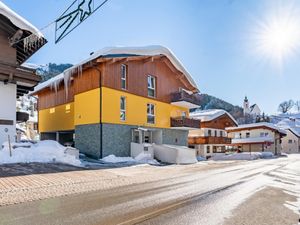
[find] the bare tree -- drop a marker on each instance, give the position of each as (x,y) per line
(286,106)
(297,105)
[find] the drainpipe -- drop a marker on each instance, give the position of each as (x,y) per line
(101,127)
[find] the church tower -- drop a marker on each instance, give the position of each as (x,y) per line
(246,106)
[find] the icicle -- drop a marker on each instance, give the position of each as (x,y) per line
(32,41)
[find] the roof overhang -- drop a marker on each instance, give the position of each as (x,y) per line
(25,79)
(20,32)
(124,54)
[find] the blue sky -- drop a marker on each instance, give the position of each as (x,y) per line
(214,39)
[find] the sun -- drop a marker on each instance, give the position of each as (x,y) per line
(277,36)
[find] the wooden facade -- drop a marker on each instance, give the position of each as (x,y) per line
(219,123)
(209,140)
(107,73)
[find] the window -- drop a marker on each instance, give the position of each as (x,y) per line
(216,134)
(123,108)
(247,135)
(151,86)
(124,77)
(150,113)
(290,141)
(221,133)
(262,134)
(208,149)
(209,133)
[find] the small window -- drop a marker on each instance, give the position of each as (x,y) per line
(150,113)
(262,134)
(124,77)
(208,149)
(266,134)
(209,133)
(216,133)
(122,108)
(290,141)
(221,133)
(247,135)
(151,86)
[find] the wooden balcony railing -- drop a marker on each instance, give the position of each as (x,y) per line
(185,122)
(184,96)
(209,140)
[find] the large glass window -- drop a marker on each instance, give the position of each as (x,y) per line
(151,86)
(124,76)
(123,108)
(150,113)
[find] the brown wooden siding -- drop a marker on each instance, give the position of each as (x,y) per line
(208,140)
(219,123)
(167,81)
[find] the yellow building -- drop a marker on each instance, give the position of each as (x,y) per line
(101,102)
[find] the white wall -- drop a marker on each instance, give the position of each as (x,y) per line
(203,132)
(290,143)
(7,110)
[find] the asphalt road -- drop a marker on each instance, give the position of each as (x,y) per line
(201,197)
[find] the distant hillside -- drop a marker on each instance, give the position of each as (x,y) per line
(211,102)
(51,70)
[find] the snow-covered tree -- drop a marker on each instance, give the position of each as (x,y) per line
(297,105)
(286,106)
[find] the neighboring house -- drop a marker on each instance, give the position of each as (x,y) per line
(18,41)
(252,110)
(291,142)
(211,137)
(256,137)
(117,96)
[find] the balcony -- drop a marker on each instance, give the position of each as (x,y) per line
(184,99)
(185,123)
(209,140)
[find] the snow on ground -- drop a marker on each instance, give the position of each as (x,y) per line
(141,158)
(43,151)
(243,156)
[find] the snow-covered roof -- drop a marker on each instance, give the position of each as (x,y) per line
(256,125)
(295,131)
(18,21)
(210,114)
(151,50)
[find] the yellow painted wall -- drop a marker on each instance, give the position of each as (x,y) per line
(86,110)
(136,109)
(87,107)
(57,118)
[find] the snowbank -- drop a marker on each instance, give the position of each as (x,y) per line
(243,156)
(141,158)
(43,151)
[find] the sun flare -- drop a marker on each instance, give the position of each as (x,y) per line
(278,35)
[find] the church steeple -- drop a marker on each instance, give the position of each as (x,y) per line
(246,106)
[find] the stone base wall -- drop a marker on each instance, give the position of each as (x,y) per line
(87,139)
(116,139)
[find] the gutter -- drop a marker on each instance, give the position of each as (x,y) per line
(100,110)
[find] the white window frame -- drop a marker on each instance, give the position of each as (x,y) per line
(149,114)
(151,88)
(123,110)
(124,79)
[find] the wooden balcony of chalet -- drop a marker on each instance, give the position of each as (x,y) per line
(24,77)
(184,122)
(209,140)
(184,99)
